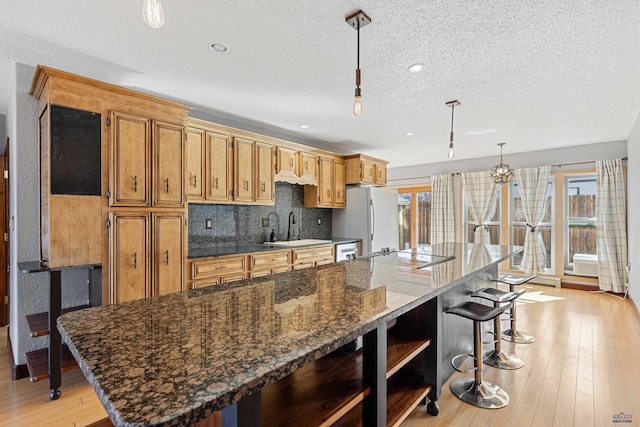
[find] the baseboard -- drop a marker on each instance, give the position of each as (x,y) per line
(579,286)
(635,308)
(18,372)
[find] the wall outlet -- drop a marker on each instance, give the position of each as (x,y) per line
(208,224)
(265,222)
(319,221)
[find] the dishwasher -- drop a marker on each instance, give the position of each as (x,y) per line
(345,251)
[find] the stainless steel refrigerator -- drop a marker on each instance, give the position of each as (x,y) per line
(371,215)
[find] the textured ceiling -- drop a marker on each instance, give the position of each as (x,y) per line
(533,74)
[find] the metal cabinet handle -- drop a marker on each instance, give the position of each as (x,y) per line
(264,187)
(216,182)
(166,183)
(371,172)
(328,193)
(246,184)
(195,180)
(291,161)
(338,194)
(135,183)
(166,257)
(135,260)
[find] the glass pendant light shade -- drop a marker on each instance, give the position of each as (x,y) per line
(357,104)
(152,13)
(501,173)
(451,150)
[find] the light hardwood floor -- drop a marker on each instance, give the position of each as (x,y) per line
(583,370)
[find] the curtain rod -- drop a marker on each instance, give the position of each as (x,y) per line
(422,177)
(579,163)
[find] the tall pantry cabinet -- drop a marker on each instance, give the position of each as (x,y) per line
(137,211)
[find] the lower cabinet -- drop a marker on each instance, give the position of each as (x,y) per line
(312,257)
(146,254)
(214,271)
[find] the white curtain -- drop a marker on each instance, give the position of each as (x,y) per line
(533,184)
(481,196)
(442,215)
(611,235)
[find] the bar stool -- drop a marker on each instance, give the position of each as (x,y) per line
(476,391)
(497,358)
(513,334)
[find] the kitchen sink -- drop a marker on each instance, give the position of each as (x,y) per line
(295,243)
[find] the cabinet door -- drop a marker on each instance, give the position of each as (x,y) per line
(286,162)
(339,201)
(195,164)
(381,174)
(308,163)
(264,174)
(219,165)
(367,169)
(130,160)
(168,253)
(244,165)
(129,249)
(325,182)
(168,165)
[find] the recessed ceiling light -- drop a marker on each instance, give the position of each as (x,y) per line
(409,134)
(304,126)
(415,68)
(217,47)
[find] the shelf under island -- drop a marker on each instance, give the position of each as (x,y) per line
(280,350)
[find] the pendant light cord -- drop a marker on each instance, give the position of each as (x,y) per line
(451,134)
(358,60)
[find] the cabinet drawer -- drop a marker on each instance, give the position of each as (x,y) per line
(314,254)
(219,267)
(270,260)
(217,280)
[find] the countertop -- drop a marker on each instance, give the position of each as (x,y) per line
(203,250)
(175,359)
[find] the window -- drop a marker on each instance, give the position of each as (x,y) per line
(580,218)
(493,223)
(519,226)
(414,216)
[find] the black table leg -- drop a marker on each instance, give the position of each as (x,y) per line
(374,367)
(55,342)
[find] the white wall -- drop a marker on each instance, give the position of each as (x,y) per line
(421,174)
(633,211)
(29,293)
(3,132)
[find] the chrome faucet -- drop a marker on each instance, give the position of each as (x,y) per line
(292,221)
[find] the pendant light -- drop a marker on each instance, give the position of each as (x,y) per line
(451,104)
(501,173)
(358,20)
(152,13)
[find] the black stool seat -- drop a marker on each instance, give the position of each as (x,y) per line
(497,295)
(477,312)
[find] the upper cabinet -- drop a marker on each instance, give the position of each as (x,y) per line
(330,191)
(145,151)
(366,170)
(194,179)
(296,166)
(236,169)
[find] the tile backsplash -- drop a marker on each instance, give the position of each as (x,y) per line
(242,224)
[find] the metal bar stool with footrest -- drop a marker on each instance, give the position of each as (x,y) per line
(513,334)
(476,391)
(497,358)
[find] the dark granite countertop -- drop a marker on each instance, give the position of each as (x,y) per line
(175,359)
(205,251)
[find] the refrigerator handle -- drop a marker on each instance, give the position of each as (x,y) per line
(373,219)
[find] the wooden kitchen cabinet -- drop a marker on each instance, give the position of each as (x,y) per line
(134,140)
(217,270)
(330,191)
(168,245)
(264,170)
(218,167)
(308,162)
(312,257)
(266,263)
(195,170)
(362,169)
(286,162)
(130,249)
(147,254)
(244,160)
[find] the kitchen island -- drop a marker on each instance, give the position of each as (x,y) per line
(248,347)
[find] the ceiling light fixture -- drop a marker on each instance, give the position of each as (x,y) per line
(415,68)
(358,20)
(304,126)
(409,134)
(501,174)
(152,13)
(217,47)
(451,104)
